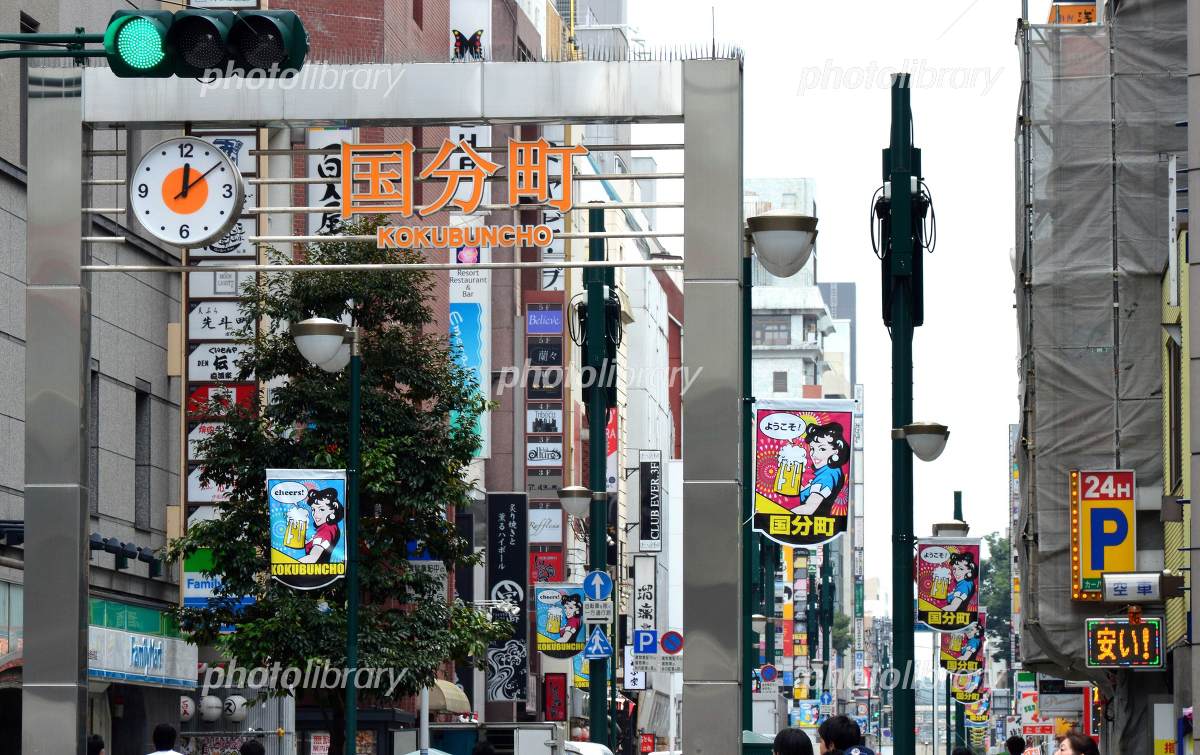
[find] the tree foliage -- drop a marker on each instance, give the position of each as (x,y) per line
(995,595)
(840,639)
(418,411)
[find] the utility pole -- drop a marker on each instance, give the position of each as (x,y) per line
(902,311)
(597,414)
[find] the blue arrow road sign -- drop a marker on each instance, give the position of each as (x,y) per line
(597,585)
(645,641)
(597,645)
(826,698)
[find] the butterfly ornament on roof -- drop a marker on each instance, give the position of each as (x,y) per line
(468,48)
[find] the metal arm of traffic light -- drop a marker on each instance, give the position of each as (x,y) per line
(73,45)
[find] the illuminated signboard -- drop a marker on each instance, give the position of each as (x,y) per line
(1119,643)
(1103,537)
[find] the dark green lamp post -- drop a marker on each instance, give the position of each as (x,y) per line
(331,345)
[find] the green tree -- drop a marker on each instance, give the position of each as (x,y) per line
(995,595)
(840,639)
(418,412)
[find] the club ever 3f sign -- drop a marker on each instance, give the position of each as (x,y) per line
(378,179)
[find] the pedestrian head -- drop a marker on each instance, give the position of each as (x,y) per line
(164,736)
(483,747)
(95,745)
(838,733)
(252,747)
(793,742)
(1075,743)
(1015,745)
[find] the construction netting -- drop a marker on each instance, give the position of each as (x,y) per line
(1100,112)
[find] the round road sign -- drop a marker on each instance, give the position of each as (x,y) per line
(671,642)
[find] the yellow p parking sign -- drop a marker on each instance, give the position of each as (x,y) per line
(1103,536)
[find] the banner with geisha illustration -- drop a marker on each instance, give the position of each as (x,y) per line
(967,688)
(947,572)
(560,629)
(307,508)
(963,652)
(802,457)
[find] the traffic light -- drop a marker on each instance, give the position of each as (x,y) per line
(607,379)
(194,43)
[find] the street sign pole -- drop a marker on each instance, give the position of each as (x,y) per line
(597,414)
(902,284)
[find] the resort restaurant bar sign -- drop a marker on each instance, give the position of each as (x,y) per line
(378,179)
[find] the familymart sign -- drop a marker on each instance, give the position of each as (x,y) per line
(379,179)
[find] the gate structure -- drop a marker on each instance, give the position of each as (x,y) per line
(67,104)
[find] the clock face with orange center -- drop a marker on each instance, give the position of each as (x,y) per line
(186,192)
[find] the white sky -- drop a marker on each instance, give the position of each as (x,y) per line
(816,105)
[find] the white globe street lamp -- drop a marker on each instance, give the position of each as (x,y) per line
(783,240)
(319,340)
(575,500)
(926,439)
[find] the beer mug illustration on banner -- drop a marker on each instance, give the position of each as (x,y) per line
(941,583)
(297,527)
(554,617)
(956,643)
(791,470)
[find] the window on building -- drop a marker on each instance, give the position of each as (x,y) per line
(419,12)
(523,52)
(94,444)
(28,26)
(141,451)
(1175,408)
(772,331)
(779,382)
(810,373)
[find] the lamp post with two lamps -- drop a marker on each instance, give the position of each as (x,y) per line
(331,345)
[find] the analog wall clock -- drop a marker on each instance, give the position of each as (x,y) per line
(186,192)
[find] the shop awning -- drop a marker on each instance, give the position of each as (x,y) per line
(446,697)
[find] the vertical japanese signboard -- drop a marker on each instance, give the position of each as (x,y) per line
(507,574)
(651,501)
(645,588)
(326,163)
(214,382)
(471,328)
(948,583)
(803,464)
(307,508)
(1103,535)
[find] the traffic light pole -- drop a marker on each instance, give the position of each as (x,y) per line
(597,413)
(900,280)
(74,45)
(749,552)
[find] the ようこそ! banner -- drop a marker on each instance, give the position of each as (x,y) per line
(803,457)
(308,507)
(948,583)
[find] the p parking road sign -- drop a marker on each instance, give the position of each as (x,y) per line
(645,642)
(1103,536)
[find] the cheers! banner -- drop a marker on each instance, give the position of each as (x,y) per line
(802,469)
(948,583)
(307,508)
(963,652)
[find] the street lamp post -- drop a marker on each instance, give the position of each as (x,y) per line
(331,345)
(900,211)
(784,242)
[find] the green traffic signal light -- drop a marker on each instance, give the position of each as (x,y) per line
(195,43)
(135,43)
